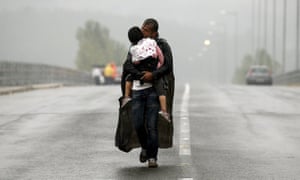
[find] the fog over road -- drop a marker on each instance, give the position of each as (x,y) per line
(228,132)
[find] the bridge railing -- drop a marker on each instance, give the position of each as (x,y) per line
(290,78)
(18,74)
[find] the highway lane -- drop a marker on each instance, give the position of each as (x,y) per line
(64,133)
(245,132)
(231,132)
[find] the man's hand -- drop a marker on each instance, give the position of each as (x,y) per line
(147,76)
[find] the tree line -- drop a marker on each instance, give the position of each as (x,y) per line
(96,47)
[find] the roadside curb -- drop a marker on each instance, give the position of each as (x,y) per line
(12,90)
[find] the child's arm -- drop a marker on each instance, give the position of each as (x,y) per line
(167,67)
(160,57)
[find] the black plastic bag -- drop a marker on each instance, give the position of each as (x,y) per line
(126,137)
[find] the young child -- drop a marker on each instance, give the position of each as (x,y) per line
(144,51)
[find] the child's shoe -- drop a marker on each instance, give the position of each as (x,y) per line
(125,100)
(165,115)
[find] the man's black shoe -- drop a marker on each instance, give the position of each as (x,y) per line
(143,156)
(152,163)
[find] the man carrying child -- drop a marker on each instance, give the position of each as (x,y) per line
(144,97)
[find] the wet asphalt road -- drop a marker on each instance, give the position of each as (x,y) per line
(231,132)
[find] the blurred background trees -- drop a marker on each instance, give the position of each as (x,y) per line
(96,47)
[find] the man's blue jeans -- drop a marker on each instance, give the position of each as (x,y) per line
(145,107)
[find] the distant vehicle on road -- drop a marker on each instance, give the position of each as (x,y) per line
(112,74)
(259,74)
(108,74)
(97,74)
(117,78)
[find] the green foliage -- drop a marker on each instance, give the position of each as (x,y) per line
(96,47)
(261,58)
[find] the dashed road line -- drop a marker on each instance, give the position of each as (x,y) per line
(184,141)
(184,135)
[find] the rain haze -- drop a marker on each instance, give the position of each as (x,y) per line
(41,31)
(229,109)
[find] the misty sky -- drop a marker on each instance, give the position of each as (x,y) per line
(185,23)
(187,12)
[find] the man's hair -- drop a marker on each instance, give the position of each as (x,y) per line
(153,23)
(135,34)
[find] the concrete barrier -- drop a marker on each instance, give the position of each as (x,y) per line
(20,74)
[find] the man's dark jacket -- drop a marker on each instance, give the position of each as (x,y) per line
(126,138)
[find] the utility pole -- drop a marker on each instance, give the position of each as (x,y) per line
(297,35)
(258,32)
(253,28)
(236,38)
(274,34)
(265,24)
(258,23)
(284,37)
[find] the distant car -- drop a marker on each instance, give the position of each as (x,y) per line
(259,74)
(118,76)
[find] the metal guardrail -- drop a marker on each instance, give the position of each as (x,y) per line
(290,78)
(19,74)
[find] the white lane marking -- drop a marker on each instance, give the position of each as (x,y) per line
(185,179)
(184,140)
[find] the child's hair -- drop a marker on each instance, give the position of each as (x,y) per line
(135,34)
